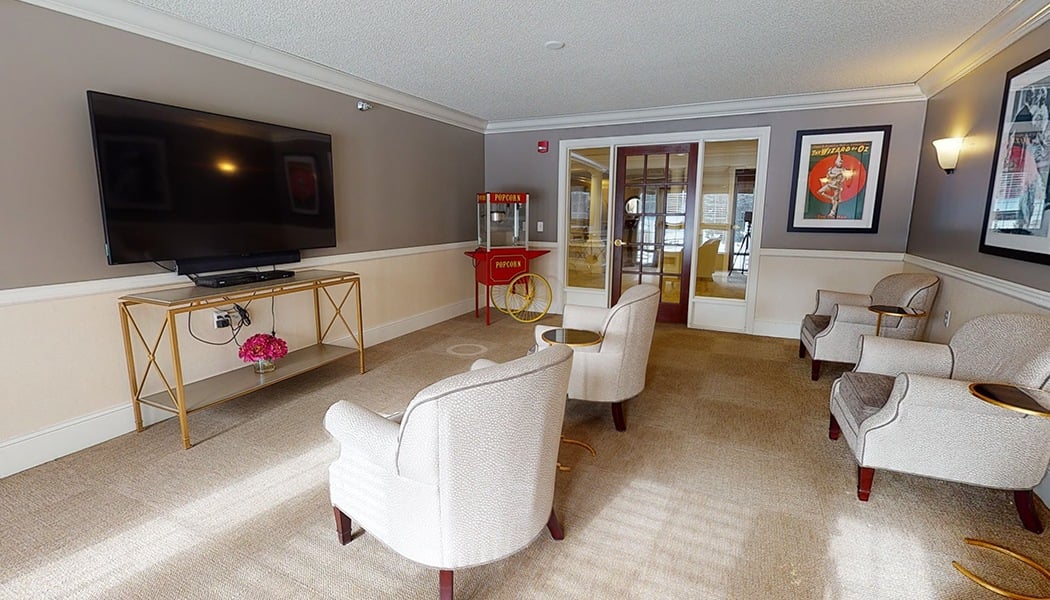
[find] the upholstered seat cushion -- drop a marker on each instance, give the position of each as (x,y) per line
(863,394)
(814,324)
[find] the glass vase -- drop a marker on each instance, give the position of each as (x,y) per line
(264,365)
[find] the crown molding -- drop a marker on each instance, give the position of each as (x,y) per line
(747,106)
(157,25)
(1009,26)
(1006,28)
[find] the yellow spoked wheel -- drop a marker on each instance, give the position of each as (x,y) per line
(528,297)
(498,295)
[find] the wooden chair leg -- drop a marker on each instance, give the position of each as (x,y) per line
(865,475)
(618,420)
(814,370)
(1024,500)
(446,584)
(555,527)
(801,349)
(834,431)
(342,526)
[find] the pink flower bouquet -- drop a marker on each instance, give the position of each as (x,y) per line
(262,346)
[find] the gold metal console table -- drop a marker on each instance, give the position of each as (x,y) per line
(184,398)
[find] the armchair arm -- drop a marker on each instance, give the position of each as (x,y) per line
(590,318)
(891,356)
(827,299)
(362,432)
(854,313)
(947,394)
(934,427)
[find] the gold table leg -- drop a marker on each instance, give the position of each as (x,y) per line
(566,440)
(998,590)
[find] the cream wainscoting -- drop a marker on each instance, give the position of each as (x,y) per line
(968,294)
(67,385)
(789,279)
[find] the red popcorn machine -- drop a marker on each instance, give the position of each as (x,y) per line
(501,260)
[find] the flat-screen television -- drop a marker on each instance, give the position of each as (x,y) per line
(208,191)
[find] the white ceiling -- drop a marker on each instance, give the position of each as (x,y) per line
(487,58)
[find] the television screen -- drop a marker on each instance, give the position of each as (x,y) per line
(179,184)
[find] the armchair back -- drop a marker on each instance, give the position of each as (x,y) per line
(628,332)
(486,441)
(1009,348)
(915,290)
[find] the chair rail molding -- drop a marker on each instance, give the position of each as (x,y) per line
(1039,298)
(58,291)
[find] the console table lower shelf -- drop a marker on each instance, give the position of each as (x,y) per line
(234,384)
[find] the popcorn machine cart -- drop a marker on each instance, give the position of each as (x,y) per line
(501,260)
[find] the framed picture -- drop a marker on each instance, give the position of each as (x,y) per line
(1017,217)
(301,174)
(838,179)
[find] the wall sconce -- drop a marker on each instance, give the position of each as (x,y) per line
(948,153)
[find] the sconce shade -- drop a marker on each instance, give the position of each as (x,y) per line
(948,152)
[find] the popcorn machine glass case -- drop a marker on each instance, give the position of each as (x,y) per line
(503,220)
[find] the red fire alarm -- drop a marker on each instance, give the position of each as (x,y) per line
(542,146)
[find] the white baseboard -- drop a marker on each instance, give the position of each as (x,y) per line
(36,448)
(54,442)
(780,329)
(396,329)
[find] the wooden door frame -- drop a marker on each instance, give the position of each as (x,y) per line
(668,312)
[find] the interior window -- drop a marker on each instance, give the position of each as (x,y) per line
(588,217)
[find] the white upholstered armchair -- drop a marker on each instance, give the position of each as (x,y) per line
(832,332)
(906,407)
(614,370)
(467,477)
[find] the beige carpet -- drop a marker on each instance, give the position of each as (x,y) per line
(724,486)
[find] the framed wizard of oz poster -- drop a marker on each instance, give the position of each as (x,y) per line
(838,179)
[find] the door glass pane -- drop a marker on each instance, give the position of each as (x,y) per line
(673,260)
(651,203)
(656,167)
(635,172)
(670,289)
(588,217)
(650,259)
(726,203)
(648,230)
(678,168)
(676,199)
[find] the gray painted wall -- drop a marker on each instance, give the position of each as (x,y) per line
(512,164)
(401,180)
(949,209)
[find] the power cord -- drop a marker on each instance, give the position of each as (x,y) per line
(233,334)
(243,314)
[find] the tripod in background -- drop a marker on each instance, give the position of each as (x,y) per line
(745,247)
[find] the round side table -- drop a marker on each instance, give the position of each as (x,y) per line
(1030,402)
(576,338)
(884,310)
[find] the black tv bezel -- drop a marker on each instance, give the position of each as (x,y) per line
(186,265)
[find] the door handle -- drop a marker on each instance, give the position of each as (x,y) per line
(617,243)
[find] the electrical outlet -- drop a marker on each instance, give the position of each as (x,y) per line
(539,226)
(947,317)
(222,318)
